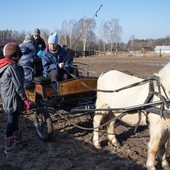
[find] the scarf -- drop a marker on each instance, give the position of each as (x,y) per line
(5,61)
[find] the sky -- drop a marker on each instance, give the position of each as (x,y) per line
(144,19)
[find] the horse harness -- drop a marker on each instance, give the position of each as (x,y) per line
(163,98)
(161,111)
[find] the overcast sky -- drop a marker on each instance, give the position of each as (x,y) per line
(144,19)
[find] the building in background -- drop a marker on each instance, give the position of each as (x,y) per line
(162,49)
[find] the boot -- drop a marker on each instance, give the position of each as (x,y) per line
(18,138)
(9,144)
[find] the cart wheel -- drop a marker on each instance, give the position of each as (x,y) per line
(43,124)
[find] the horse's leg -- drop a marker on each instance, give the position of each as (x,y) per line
(162,153)
(165,164)
(111,131)
(96,123)
(153,147)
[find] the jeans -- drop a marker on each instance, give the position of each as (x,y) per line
(12,124)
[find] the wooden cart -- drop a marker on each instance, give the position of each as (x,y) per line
(70,91)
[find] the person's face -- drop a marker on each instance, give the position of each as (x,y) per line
(36,37)
(53,47)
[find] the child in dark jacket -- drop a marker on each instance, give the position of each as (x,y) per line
(12,93)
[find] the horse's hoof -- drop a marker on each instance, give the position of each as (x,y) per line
(98,147)
(150,168)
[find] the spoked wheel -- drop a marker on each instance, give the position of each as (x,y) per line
(43,124)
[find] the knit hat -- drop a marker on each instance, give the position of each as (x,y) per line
(27,39)
(36,32)
(53,38)
(11,49)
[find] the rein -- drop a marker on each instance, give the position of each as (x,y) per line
(111,91)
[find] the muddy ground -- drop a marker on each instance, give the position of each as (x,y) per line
(71,147)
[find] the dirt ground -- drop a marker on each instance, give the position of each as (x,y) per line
(71,147)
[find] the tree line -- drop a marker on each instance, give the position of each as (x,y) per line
(80,35)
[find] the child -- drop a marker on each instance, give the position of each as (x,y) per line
(12,93)
(55,61)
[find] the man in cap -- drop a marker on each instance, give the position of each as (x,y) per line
(13,94)
(38,41)
(40,46)
(56,62)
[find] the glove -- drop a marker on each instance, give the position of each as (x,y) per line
(26,104)
(61,65)
(40,53)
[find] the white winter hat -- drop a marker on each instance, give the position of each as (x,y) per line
(53,38)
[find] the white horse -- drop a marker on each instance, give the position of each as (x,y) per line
(134,96)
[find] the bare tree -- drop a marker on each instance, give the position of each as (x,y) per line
(112,32)
(84,31)
(71,25)
(102,35)
(64,31)
(44,35)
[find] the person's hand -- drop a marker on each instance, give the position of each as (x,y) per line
(26,104)
(61,65)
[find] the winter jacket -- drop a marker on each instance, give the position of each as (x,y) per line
(50,60)
(26,61)
(28,53)
(12,90)
(39,44)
